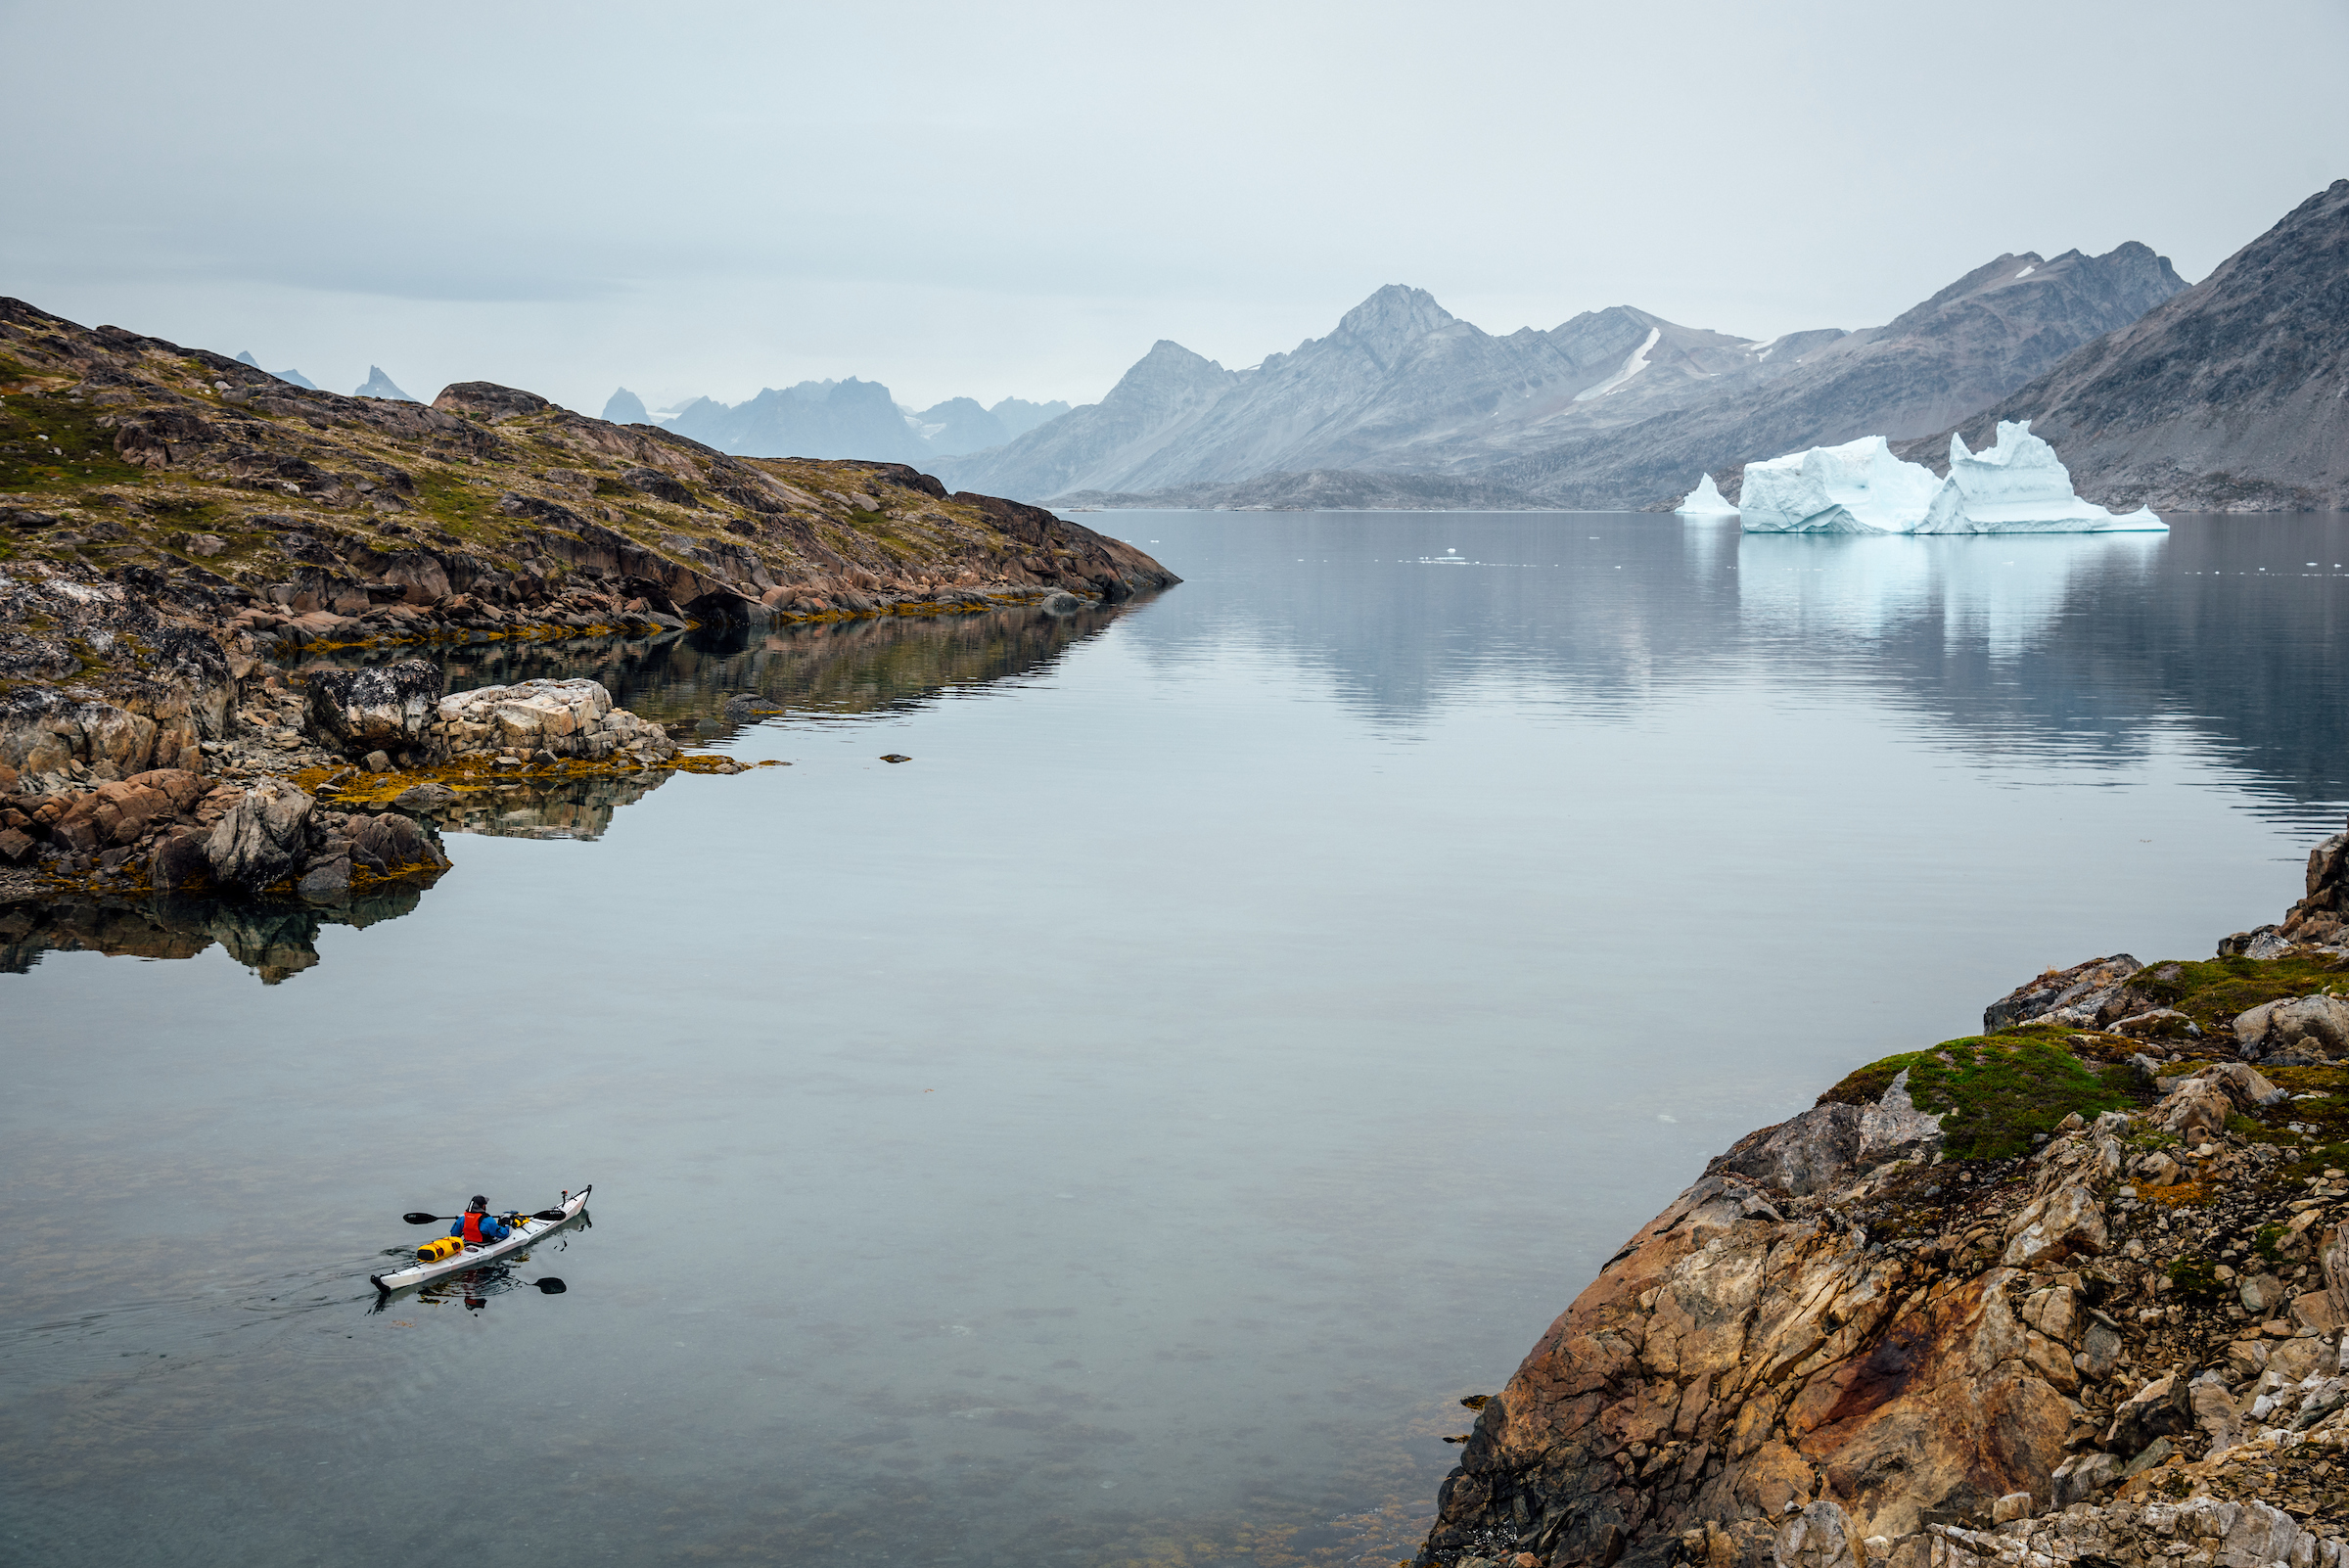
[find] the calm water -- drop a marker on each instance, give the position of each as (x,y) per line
(1121,1134)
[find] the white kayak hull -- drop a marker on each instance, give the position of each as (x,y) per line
(530,1230)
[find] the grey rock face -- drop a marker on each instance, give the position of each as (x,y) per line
(2227,398)
(2318,1025)
(262,839)
(2085,987)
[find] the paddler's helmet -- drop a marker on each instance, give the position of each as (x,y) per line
(478,1205)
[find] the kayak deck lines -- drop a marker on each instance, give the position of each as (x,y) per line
(527,1229)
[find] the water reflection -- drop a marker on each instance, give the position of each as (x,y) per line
(549,807)
(274,940)
(685,681)
(2087,649)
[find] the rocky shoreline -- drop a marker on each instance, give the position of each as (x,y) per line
(2071,1290)
(179,531)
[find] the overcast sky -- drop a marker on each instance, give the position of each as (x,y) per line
(996,200)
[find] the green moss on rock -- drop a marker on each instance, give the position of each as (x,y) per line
(1995,1092)
(2213,990)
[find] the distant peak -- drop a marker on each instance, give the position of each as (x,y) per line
(378,385)
(1395,313)
(245,359)
(1166,348)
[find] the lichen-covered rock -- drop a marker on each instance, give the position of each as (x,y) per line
(391,708)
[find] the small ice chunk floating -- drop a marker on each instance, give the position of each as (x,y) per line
(1704,501)
(2017,485)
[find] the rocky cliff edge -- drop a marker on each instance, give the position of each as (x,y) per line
(2071,1290)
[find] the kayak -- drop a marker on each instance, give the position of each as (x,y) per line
(527,1229)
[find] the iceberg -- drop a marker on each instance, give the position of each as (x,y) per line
(1704,501)
(2019,485)
(2015,485)
(1858,487)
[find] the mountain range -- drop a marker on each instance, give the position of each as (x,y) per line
(842,418)
(1616,407)
(2233,395)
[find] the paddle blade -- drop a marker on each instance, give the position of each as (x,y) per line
(548,1214)
(551,1287)
(415,1218)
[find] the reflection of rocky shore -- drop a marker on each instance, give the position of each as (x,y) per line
(533,808)
(696,683)
(273,940)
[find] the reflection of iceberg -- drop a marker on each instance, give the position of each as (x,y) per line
(1705,501)
(2019,485)
(1858,487)
(2003,601)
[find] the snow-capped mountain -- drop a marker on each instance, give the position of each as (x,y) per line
(1614,407)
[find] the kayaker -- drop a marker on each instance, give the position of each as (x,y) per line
(480,1226)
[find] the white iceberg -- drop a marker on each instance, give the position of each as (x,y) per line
(2019,485)
(1704,501)
(2016,485)
(1858,487)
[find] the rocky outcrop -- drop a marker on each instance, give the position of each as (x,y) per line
(391,708)
(2056,1294)
(264,838)
(545,720)
(100,681)
(2079,995)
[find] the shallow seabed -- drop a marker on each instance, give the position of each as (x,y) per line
(1122,1132)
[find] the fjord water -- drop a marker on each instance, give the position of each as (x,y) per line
(1122,1132)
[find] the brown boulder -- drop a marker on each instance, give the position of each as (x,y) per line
(178,861)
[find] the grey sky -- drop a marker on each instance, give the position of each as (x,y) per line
(993,199)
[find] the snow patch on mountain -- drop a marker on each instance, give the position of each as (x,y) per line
(1632,366)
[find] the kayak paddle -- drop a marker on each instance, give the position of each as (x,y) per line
(417,1217)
